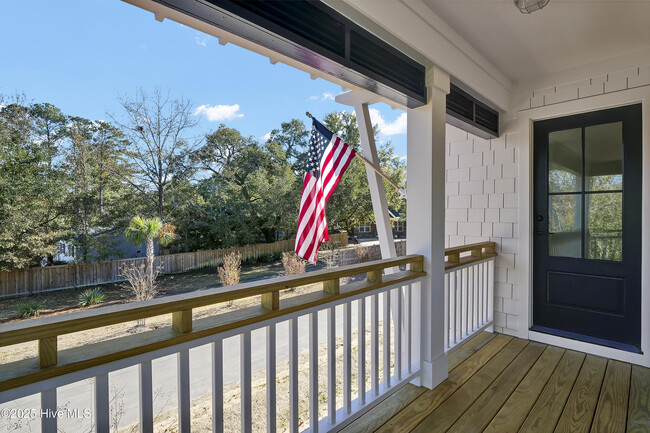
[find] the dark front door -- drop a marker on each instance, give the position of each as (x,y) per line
(587,227)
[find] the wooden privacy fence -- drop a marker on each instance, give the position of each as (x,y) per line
(49,278)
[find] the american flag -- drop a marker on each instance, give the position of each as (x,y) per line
(328,159)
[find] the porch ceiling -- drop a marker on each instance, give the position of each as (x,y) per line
(564,35)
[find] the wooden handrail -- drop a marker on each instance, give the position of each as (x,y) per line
(478,251)
(51,362)
(36,329)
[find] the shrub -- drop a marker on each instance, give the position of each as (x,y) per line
(91,297)
(293,264)
(363,254)
(30,309)
(330,253)
(139,281)
(231,270)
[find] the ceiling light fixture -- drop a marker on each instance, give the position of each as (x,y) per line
(530,6)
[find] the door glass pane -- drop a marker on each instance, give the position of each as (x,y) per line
(604,157)
(565,161)
(564,225)
(604,234)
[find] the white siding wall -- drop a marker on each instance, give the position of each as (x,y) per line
(482,188)
(482,205)
(598,84)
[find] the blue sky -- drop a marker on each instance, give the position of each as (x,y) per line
(80,55)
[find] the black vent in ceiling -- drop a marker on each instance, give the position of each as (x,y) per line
(324,31)
(300,18)
(467,112)
(379,58)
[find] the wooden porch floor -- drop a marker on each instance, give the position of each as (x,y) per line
(501,384)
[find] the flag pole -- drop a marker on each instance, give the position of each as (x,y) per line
(371,165)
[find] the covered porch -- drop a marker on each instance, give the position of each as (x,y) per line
(441,339)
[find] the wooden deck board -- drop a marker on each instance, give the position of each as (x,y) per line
(479,415)
(548,408)
(500,384)
(611,412)
(580,407)
(516,409)
(411,416)
(372,420)
(638,414)
(469,348)
(441,419)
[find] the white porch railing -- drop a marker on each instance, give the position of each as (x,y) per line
(370,300)
(469,291)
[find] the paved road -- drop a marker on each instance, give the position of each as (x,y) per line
(124,383)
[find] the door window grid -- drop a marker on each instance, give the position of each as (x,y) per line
(579,241)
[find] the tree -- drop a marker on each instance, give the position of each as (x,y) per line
(157,127)
(252,188)
(293,138)
(32,189)
(100,202)
(148,230)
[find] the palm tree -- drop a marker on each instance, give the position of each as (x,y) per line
(147,230)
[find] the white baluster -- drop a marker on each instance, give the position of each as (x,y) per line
(331,364)
(293,375)
(146,397)
(491,290)
(447,310)
(313,372)
(361,356)
(481,298)
(101,403)
(184,415)
(457,290)
(397,326)
(347,358)
(217,386)
(374,344)
(245,382)
(48,411)
(409,336)
(387,338)
(271,406)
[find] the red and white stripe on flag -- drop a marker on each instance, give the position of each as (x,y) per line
(329,157)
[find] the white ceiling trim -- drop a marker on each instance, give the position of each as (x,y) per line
(419,27)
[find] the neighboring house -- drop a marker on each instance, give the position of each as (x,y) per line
(368,229)
(121,248)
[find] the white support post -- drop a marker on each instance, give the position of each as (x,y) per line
(426,221)
(360,99)
(376,184)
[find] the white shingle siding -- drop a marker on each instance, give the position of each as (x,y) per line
(480,185)
(614,81)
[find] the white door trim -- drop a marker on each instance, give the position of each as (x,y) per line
(525,121)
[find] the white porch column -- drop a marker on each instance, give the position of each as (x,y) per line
(425,215)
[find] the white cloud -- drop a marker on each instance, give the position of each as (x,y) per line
(326,96)
(266,136)
(398,126)
(201,41)
(219,112)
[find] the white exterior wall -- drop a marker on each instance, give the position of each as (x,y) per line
(482,205)
(489,188)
